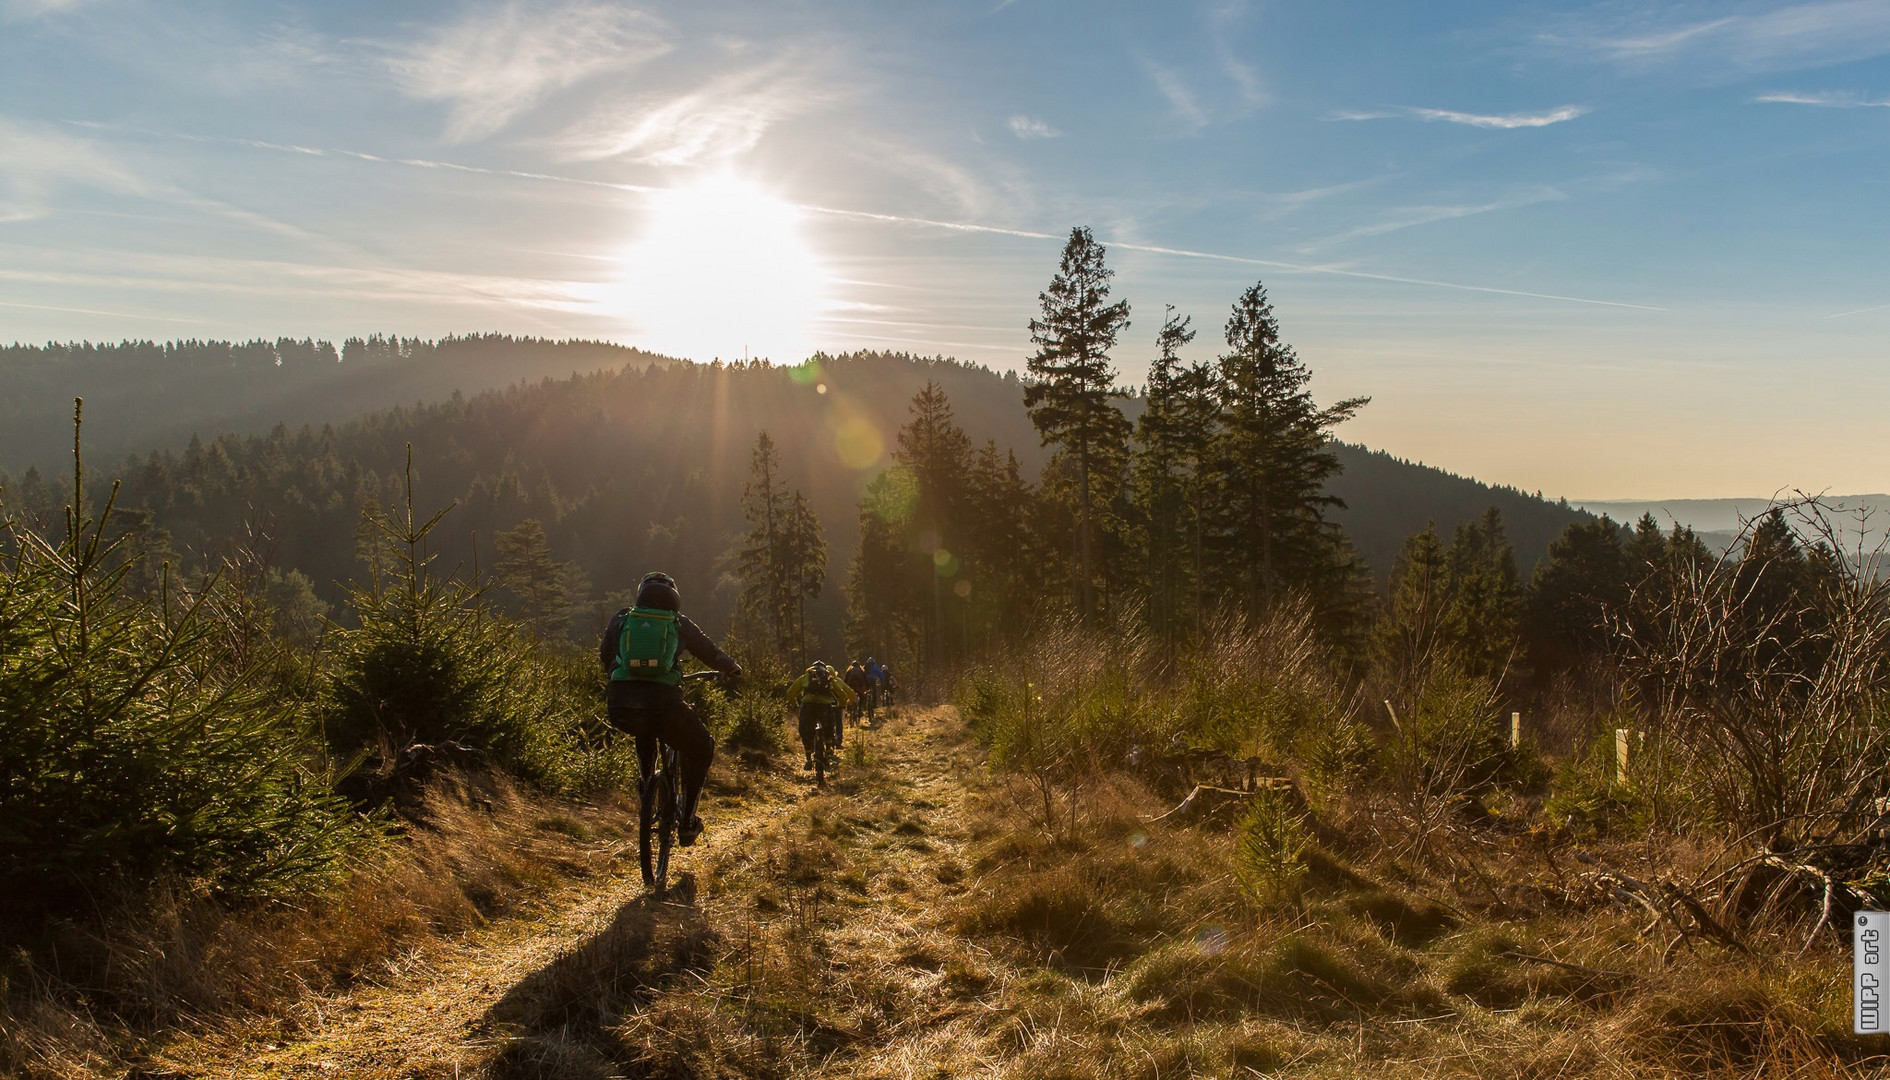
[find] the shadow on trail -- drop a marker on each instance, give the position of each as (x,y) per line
(562,1020)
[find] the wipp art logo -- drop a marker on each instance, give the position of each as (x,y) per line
(1870,972)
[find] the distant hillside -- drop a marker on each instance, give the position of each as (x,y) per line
(141,394)
(628,469)
(1388,499)
(1858,518)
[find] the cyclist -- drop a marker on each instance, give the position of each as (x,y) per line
(642,651)
(819,692)
(862,686)
(887,684)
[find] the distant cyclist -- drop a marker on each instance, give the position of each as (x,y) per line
(862,686)
(819,693)
(887,684)
(642,651)
(875,675)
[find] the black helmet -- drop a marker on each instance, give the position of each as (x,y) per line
(658,590)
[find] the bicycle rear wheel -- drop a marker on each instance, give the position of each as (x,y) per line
(657,820)
(820,753)
(647,827)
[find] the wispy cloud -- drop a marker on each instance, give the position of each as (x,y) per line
(1225,21)
(500,62)
(1025,127)
(1505,121)
(1830,99)
(36,161)
(29,9)
(1502,121)
(1180,97)
(723,118)
(1792,36)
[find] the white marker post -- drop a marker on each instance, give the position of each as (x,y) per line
(1515,730)
(1870,971)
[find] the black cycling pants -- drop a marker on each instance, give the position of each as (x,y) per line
(825,712)
(677,725)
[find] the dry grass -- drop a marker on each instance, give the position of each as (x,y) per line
(916,919)
(87,998)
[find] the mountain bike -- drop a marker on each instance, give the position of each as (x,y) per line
(823,744)
(659,802)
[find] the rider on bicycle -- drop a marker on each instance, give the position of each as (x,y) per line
(645,697)
(887,684)
(819,692)
(862,686)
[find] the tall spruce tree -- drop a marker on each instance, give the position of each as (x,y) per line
(1272,462)
(1073,381)
(1162,474)
(802,558)
(937,453)
(769,595)
(883,606)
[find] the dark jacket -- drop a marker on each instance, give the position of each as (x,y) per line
(642,693)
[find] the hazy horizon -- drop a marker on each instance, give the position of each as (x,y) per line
(1567,248)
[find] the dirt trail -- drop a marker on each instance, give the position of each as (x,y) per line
(764,951)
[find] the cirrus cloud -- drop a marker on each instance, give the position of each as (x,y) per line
(1500,121)
(500,62)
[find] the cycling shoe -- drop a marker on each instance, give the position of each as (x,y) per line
(687,832)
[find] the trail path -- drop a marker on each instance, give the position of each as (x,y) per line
(806,923)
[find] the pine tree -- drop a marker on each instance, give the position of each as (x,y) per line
(538,582)
(1486,597)
(883,606)
(937,453)
(1411,637)
(1163,474)
(1272,460)
(802,559)
(1073,382)
(766,596)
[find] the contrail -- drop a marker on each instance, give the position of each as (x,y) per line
(95,311)
(895,219)
(1859,311)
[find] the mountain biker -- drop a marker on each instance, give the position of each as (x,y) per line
(862,686)
(887,683)
(645,695)
(875,681)
(819,692)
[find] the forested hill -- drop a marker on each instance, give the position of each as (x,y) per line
(141,394)
(1388,499)
(644,467)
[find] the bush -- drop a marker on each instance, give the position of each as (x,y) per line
(431,673)
(743,718)
(131,746)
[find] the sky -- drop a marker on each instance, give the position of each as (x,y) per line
(1616,250)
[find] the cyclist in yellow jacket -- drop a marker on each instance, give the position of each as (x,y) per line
(819,693)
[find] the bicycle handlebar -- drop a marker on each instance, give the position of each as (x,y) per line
(698,676)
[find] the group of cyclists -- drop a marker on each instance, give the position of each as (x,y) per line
(823,694)
(642,653)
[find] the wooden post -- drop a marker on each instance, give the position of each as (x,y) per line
(1621,755)
(1515,730)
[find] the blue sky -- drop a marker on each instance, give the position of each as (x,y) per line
(1609,250)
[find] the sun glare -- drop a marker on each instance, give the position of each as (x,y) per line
(721,269)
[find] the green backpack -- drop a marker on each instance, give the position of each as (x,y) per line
(647,646)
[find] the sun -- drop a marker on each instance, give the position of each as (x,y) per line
(722,269)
